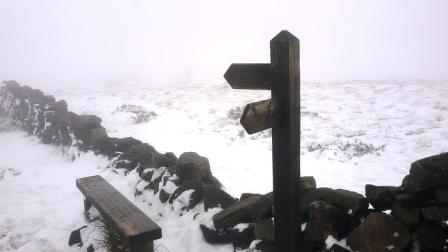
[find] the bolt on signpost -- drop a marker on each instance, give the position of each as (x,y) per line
(281,113)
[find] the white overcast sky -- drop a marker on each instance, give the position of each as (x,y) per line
(60,42)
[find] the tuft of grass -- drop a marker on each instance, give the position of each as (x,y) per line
(350,149)
(103,235)
(139,114)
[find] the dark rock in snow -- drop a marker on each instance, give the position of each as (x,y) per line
(163,196)
(248,195)
(242,238)
(381,197)
(337,248)
(195,197)
(432,237)
(216,197)
(430,172)
(75,237)
(441,195)
(265,247)
(155,179)
(306,183)
(105,146)
(379,232)
(262,209)
(325,219)
(166,160)
(90,248)
(60,107)
(83,122)
(123,144)
(147,175)
(347,200)
(264,230)
(141,154)
(435,213)
(238,212)
(191,166)
(214,236)
(409,216)
(414,199)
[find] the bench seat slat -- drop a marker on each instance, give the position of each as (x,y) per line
(130,221)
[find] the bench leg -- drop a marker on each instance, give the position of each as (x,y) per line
(87,206)
(148,247)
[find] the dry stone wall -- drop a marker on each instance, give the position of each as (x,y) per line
(409,217)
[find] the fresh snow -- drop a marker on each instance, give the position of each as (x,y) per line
(353,133)
(41,204)
(330,241)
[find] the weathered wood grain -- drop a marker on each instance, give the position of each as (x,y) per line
(249,76)
(257,116)
(285,67)
(132,224)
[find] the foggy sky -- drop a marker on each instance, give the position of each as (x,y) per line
(59,42)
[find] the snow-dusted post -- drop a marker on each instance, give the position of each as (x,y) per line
(282,113)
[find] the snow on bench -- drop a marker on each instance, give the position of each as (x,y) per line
(136,228)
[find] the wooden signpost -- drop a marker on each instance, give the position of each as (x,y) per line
(282,113)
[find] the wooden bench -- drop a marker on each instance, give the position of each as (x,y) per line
(134,227)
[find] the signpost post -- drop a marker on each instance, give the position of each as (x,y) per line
(282,113)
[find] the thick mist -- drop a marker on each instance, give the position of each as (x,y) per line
(52,42)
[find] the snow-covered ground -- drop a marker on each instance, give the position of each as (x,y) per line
(40,204)
(353,133)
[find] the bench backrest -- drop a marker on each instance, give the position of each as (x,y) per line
(126,218)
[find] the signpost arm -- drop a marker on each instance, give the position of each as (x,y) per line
(285,94)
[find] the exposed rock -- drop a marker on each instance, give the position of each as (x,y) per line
(195,197)
(214,236)
(306,183)
(143,154)
(432,237)
(60,107)
(156,178)
(325,219)
(379,232)
(337,248)
(415,199)
(347,200)
(248,195)
(264,230)
(163,196)
(441,195)
(105,146)
(123,144)
(430,172)
(216,197)
(266,247)
(83,122)
(191,166)
(166,160)
(147,175)
(238,212)
(96,134)
(212,181)
(409,216)
(262,209)
(381,197)
(435,212)
(242,237)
